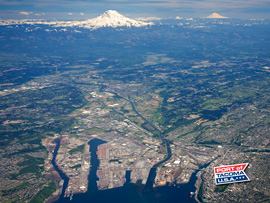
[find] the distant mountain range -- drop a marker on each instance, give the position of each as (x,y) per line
(113,19)
(110,18)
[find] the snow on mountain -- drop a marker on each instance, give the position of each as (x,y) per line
(215,15)
(110,18)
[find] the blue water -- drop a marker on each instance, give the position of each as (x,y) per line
(130,193)
(62,175)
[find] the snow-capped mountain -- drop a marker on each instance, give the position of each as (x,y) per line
(215,15)
(110,18)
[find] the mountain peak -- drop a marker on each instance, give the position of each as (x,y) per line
(111,13)
(215,15)
(112,18)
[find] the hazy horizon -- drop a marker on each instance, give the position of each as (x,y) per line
(84,9)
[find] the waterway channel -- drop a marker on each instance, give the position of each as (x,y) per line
(60,172)
(129,193)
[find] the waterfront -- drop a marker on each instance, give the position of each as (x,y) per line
(130,193)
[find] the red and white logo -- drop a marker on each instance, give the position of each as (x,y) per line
(230,174)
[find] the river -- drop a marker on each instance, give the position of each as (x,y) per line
(152,174)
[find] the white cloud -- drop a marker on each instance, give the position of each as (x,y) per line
(40,14)
(70,14)
(178,18)
(149,19)
(25,13)
(82,14)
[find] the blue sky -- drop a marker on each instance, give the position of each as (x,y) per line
(83,9)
